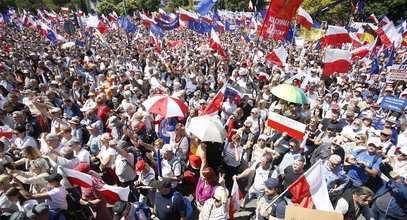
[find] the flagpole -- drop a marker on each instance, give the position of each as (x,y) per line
(285,191)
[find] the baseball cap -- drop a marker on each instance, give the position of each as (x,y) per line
(93,126)
(140,165)
(53,177)
(166,148)
(38,210)
(118,208)
(112,120)
(73,142)
(271,183)
(159,184)
(387,132)
(82,167)
(122,144)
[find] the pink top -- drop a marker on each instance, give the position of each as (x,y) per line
(202,192)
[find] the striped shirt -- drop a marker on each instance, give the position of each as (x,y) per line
(212,212)
(230,158)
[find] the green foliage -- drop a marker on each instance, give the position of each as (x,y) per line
(236,5)
(394,9)
(105,7)
(341,11)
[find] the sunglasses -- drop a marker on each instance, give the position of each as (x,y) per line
(215,199)
(357,138)
(383,134)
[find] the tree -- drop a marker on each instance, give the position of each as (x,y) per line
(342,11)
(394,9)
(105,7)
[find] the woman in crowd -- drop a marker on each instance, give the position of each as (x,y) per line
(106,157)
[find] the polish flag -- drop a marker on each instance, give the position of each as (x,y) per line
(175,43)
(336,60)
(147,20)
(389,35)
(6,131)
(153,40)
(250,5)
(385,20)
(93,21)
(363,50)
(64,10)
(282,124)
(304,18)
(278,56)
(77,178)
(214,43)
(112,194)
(373,17)
(310,189)
(185,15)
(220,25)
(207,19)
(336,36)
(216,103)
(235,200)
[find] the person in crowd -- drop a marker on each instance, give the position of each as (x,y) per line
(43,211)
(231,159)
(268,207)
(55,197)
(336,178)
(216,207)
(364,163)
(169,203)
(207,184)
(354,202)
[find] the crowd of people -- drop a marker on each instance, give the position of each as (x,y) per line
(81,108)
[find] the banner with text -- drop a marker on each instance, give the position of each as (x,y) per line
(278,18)
(281,123)
(392,103)
(397,72)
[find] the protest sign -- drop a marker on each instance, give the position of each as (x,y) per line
(281,123)
(278,18)
(392,103)
(397,72)
(299,213)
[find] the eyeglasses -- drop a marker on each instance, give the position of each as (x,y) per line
(383,134)
(357,124)
(336,145)
(16,133)
(215,199)
(334,164)
(358,138)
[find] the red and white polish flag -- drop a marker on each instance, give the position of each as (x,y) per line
(311,190)
(112,194)
(373,17)
(336,60)
(278,56)
(64,10)
(153,40)
(336,36)
(389,35)
(282,124)
(235,199)
(214,43)
(216,103)
(363,50)
(304,18)
(6,131)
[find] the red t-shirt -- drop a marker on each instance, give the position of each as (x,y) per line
(103,113)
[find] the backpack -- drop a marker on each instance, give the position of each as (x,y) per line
(177,161)
(141,207)
(188,204)
(275,204)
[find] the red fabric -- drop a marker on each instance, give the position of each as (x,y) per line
(275,59)
(301,193)
(231,126)
(339,66)
(283,128)
(103,113)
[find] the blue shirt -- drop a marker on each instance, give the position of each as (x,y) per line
(166,209)
(358,173)
(332,177)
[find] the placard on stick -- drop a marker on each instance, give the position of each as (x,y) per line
(299,213)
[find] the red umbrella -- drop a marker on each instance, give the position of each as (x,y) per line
(166,106)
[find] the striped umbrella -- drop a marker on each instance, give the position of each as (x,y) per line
(290,93)
(166,106)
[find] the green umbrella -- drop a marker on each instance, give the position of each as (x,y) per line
(290,93)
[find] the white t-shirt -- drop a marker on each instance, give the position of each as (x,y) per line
(147,177)
(105,153)
(26,141)
(170,169)
(83,156)
(58,198)
(261,176)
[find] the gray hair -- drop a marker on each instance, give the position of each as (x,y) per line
(335,158)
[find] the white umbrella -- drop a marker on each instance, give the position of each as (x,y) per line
(68,44)
(207,128)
